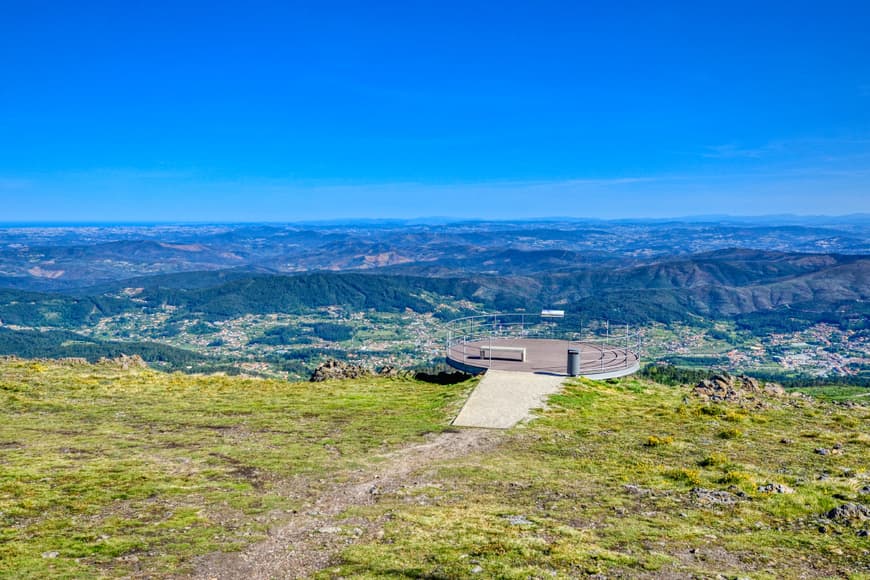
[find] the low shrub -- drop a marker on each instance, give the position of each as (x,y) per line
(736,477)
(714,460)
(730,433)
(684,475)
(655,441)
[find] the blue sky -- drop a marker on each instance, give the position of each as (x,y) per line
(283,111)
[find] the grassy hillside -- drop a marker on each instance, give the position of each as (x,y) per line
(112,471)
(107,471)
(838,393)
(630,478)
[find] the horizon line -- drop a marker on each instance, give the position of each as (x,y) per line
(421,220)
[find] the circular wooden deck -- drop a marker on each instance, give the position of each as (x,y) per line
(543,356)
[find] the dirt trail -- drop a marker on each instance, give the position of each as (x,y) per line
(312,540)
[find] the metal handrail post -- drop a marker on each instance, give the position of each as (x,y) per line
(448,342)
(625,348)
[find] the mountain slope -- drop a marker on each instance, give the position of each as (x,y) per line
(718,284)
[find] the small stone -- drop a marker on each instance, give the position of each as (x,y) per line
(864,490)
(821,451)
(519,521)
(838,445)
(823,529)
(785,441)
(775,488)
(329,530)
(863,533)
(50,555)
(477,570)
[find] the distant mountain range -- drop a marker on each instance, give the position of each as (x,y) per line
(72,258)
(722,283)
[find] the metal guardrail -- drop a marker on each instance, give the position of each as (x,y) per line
(621,342)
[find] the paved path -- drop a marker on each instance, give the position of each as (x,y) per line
(504,398)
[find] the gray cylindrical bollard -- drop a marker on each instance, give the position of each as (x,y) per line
(573,362)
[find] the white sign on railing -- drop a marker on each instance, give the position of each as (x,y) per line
(552,313)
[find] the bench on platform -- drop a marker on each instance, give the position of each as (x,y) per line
(491,352)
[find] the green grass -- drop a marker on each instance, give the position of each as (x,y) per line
(837,393)
(134,471)
(600,498)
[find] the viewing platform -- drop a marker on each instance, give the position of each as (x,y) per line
(542,343)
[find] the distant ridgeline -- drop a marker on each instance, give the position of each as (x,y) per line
(765,291)
(761,292)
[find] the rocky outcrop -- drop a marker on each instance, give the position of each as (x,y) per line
(727,388)
(336,370)
(849,513)
(124,362)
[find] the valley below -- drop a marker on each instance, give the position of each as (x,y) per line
(785,299)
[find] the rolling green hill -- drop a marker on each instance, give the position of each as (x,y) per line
(719,284)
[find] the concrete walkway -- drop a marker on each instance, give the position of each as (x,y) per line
(504,398)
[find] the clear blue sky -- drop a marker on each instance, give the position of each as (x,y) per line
(282,111)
